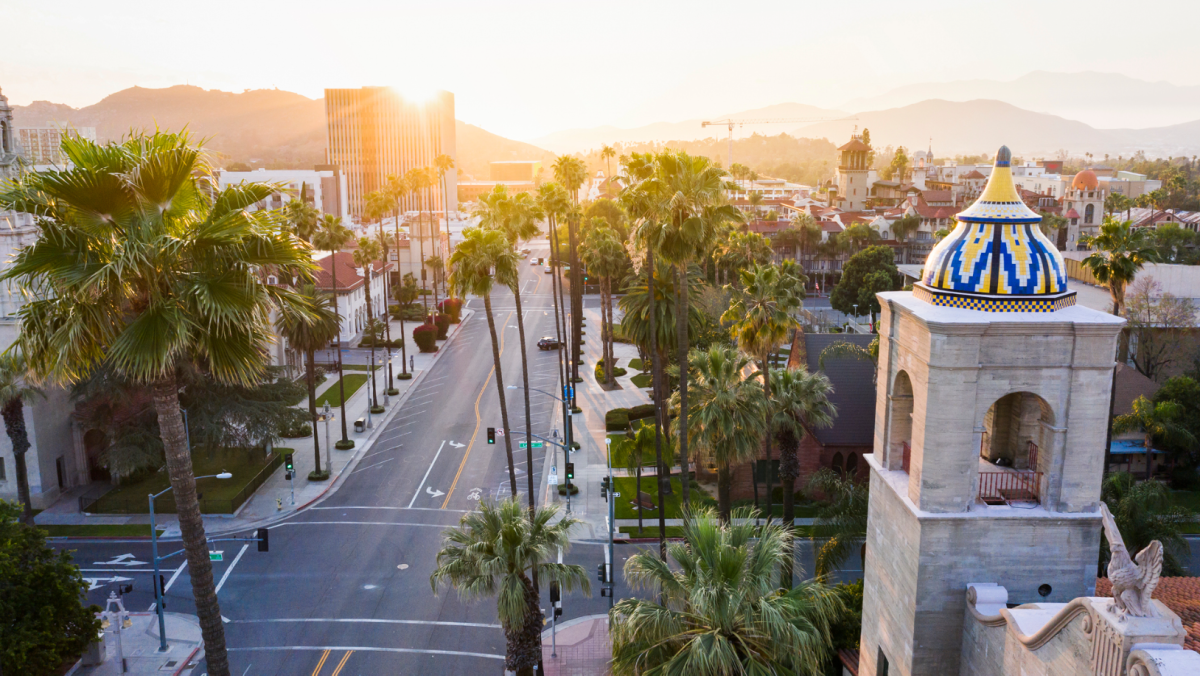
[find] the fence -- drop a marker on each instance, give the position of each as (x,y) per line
(166,504)
(997,488)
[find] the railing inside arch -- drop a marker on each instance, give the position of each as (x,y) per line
(1007,487)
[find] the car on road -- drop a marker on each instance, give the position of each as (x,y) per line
(548,269)
(549,343)
(533,261)
(526,251)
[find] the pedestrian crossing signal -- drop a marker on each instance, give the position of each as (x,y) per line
(491,435)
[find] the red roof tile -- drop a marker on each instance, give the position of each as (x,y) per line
(856,144)
(937,195)
(1070,214)
(849,660)
(974,174)
(348,278)
(1181,595)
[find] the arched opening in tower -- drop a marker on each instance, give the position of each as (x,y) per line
(900,434)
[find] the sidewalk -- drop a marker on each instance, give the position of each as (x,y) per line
(583,647)
(273,500)
(139,643)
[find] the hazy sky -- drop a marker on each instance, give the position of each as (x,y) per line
(524,68)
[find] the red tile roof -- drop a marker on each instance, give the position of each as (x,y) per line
(974,174)
(1181,595)
(849,660)
(937,195)
(348,278)
(856,144)
(1070,214)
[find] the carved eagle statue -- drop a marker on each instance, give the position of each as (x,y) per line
(1132,583)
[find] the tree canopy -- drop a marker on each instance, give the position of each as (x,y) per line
(867,273)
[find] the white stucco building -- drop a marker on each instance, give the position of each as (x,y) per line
(326,187)
(352,302)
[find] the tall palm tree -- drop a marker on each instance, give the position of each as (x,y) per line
(841,523)
(692,192)
(417,181)
(571,172)
(405,293)
(553,200)
(606,155)
(808,235)
(799,400)
(14,392)
(1121,252)
(442,164)
(717,611)
(1146,511)
(729,415)
(331,237)
(301,215)
(904,228)
(384,242)
(760,315)
(379,204)
(364,257)
(500,550)
(1154,421)
(639,445)
(484,257)
(143,266)
(517,218)
(307,332)
(604,257)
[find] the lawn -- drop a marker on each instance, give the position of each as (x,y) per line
(218,496)
(636,364)
(1187,499)
(626,486)
(620,451)
(333,395)
(358,367)
(99,530)
(651,530)
(642,380)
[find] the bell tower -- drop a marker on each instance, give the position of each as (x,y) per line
(989,436)
(853,172)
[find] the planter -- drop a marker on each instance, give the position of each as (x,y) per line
(391,392)
(403,376)
(344,445)
(376,410)
(562,489)
(576,409)
(442,322)
(452,307)
(318,475)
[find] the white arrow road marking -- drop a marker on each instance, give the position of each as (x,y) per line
(430,491)
(95,582)
(456,444)
(122,560)
(424,478)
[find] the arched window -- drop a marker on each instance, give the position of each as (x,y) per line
(900,436)
(837,463)
(1088,213)
(852,465)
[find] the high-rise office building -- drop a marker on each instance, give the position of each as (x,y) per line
(375,132)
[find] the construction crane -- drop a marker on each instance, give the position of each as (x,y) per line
(730,123)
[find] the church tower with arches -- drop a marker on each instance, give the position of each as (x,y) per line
(990,423)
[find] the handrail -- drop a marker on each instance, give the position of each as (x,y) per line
(1010,486)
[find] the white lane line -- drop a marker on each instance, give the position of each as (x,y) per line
(371,620)
(419,509)
(435,458)
(230,569)
(382,450)
(121,570)
(367,649)
(174,577)
(370,466)
(357,523)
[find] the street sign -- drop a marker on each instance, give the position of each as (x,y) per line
(552,480)
(216,556)
(536,444)
(499,432)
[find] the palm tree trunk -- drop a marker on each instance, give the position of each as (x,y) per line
(311,381)
(374,398)
(576,307)
(387,316)
(658,416)
(400,304)
(183,485)
(606,329)
(337,313)
(525,642)
(724,501)
(681,337)
(512,472)
(638,472)
(421,242)
(788,466)
(766,366)
(528,417)
(14,425)
(434,244)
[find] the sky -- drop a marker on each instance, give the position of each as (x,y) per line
(525,68)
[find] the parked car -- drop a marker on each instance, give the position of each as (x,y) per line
(549,343)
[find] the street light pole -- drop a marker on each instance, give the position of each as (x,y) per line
(612,517)
(327,414)
(568,447)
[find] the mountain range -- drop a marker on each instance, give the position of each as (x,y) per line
(264,127)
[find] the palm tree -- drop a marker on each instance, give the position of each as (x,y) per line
(904,228)
(1146,511)
(640,446)
(799,400)
(484,257)
(1154,420)
(499,551)
(841,524)
(441,164)
(691,190)
(571,172)
(1121,252)
(604,257)
(728,416)
(364,257)
(14,392)
(417,180)
(308,332)
(606,155)
(332,237)
(517,218)
(718,611)
(809,234)
(760,315)
(143,266)
(384,242)
(301,215)
(405,293)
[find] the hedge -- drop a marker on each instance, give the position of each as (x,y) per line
(453,308)
(425,336)
(296,431)
(413,312)
(617,419)
(443,325)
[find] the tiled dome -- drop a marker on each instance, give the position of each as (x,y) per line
(997,259)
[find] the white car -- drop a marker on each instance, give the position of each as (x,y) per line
(548,269)
(533,261)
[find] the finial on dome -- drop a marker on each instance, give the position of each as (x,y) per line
(1003,156)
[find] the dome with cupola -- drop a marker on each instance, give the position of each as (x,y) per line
(997,259)
(1085,180)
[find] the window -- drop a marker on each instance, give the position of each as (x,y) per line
(1089,213)
(881,666)
(760,471)
(3,476)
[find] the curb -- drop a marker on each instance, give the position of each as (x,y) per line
(575,621)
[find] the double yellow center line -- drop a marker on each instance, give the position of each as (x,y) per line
(338,669)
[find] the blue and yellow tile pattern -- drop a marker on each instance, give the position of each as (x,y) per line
(997,259)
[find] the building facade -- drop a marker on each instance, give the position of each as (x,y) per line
(353,305)
(325,187)
(1083,207)
(854,175)
(43,145)
(375,132)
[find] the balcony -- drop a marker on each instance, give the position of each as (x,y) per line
(1006,486)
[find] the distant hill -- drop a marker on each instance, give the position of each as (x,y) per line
(267,127)
(981,126)
(582,140)
(1102,100)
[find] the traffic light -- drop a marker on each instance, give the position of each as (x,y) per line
(263,544)
(604,488)
(287,463)
(570,472)
(554,593)
(600,572)
(162,590)
(491,435)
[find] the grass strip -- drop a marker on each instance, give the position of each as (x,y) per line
(333,395)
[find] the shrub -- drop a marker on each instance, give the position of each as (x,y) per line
(616,420)
(442,322)
(403,376)
(318,475)
(376,410)
(413,312)
(344,445)
(296,431)
(453,308)
(425,336)
(617,371)
(641,411)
